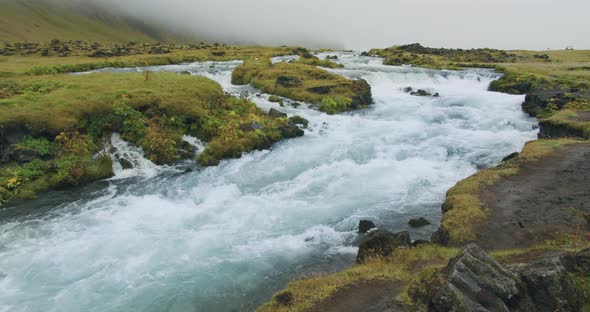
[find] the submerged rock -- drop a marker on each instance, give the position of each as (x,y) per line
(381,243)
(365,226)
(420,92)
(298,120)
(290,131)
(419,222)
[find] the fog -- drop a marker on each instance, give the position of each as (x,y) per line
(505,24)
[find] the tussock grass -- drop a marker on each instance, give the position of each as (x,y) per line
(401,266)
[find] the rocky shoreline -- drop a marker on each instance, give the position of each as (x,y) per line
(515,237)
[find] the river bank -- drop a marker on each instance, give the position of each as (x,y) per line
(497,208)
(273,213)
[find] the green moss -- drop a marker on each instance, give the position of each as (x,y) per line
(302,82)
(402,266)
(568,119)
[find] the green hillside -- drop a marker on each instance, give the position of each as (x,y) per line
(44,20)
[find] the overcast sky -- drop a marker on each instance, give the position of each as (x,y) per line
(363,24)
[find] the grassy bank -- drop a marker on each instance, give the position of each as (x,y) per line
(463,210)
(54,128)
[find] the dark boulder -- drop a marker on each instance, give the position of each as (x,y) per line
(381,243)
(421,92)
(365,226)
(290,131)
(275,113)
(419,222)
(298,120)
(475,282)
(362,94)
(289,81)
(511,156)
(364,53)
(332,57)
(20,154)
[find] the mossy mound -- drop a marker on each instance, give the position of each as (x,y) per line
(53,129)
(330,92)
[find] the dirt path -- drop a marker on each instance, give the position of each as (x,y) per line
(547,196)
(368,296)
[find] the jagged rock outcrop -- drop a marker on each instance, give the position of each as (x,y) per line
(476,282)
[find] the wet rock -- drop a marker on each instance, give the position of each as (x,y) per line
(381,243)
(364,53)
(275,113)
(421,92)
(125,164)
(419,222)
(408,89)
(365,226)
(290,131)
(295,104)
(362,91)
(511,156)
(275,99)
(298,120)
(332,57)
(289,81)
(475,282)
(185,72)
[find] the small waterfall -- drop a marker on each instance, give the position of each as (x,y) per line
(129,160)
(196,143)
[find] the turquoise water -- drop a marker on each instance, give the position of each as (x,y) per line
(225,238)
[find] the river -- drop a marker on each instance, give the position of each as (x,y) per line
(225,238)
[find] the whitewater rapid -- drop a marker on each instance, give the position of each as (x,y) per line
(224,238)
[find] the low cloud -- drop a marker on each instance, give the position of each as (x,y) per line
(506,24)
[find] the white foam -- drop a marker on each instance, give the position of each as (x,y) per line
(208,239)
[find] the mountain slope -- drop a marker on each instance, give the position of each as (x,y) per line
(44,20)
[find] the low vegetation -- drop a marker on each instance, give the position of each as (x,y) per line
(301,82)
(402,266)
(53,130)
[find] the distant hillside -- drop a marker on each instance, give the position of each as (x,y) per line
(44,20)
